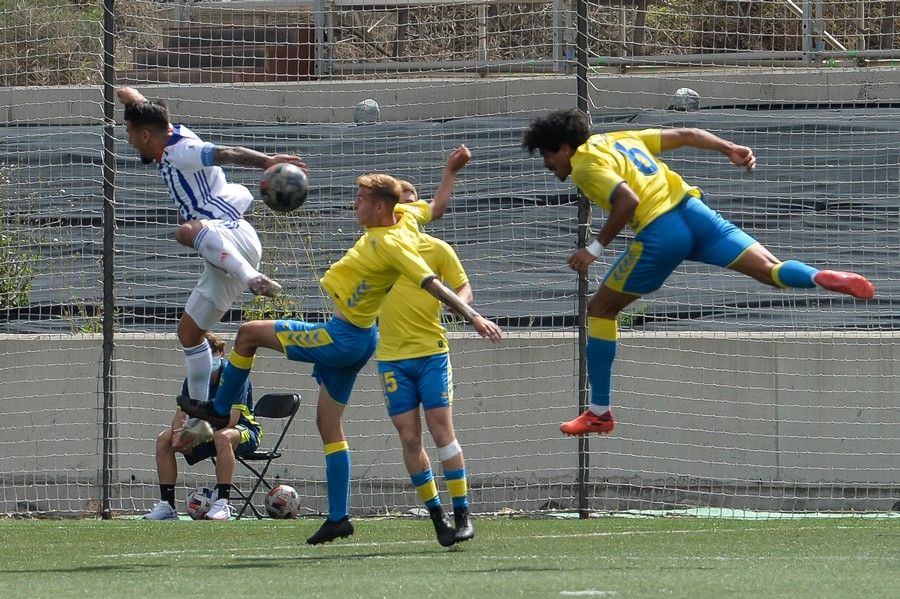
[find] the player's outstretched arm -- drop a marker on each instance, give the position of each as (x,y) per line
(457,160)
(129,95)
(671,139)
(624,202)
(482,325)
(240,156)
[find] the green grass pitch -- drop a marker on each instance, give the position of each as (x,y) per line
(601,557)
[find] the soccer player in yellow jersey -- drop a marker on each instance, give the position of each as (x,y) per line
(358,284)
(414,366)
(621,173)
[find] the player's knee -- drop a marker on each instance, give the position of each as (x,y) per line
(411,440)
(249,335)
(598,308)
(164,438)
(222,439)
(450,450)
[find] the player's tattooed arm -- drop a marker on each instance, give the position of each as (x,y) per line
(240,156)
(482,325)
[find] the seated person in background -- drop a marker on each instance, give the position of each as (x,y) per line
(240,436)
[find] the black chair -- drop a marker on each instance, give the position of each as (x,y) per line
(271,405)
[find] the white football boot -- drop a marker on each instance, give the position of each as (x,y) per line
(162,511)
(221,510)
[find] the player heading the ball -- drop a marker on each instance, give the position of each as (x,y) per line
(621,173)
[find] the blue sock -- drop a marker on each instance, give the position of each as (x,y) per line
(426,488)
(235,374)
(601,351)
(458,487)
(794,274)
(337,472)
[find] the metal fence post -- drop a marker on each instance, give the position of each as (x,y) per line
(584,227)
(109,225)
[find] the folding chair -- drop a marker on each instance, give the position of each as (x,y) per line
(271,405)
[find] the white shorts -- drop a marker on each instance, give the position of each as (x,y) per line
(217,290)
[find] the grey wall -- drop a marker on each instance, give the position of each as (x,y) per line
(752,420)
(409,99)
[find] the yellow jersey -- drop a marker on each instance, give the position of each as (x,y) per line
(410,322)
(359,282)
(607,160)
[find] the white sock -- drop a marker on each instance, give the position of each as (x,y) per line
(598,410)
(198,363)
(221,253)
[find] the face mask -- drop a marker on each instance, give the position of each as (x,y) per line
(216,363)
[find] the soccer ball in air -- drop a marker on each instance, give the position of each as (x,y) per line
(283,502)
(198,502)
(284,187)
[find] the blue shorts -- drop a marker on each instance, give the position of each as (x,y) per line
(249,444)
(690,231)
(337,349)
(407,383)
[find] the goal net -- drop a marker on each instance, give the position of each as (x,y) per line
(732,398)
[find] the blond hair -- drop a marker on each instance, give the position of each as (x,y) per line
(407,187)
(384,187)
(216,343)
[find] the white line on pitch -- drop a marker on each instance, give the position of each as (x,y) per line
(620,533)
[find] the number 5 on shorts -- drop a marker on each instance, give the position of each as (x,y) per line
(389,382)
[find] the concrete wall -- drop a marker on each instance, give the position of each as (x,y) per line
(763,421)
(409,99)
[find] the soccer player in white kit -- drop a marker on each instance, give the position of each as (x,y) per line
(212,213)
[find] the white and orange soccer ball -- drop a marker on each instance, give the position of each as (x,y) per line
(283,502)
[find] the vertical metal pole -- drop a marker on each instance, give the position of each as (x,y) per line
(559,52)
(482,32)
(861,25)
(807,31)
(886,40)
(321,26)
(109,224)
(584,224)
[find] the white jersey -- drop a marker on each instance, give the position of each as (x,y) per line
(197,186)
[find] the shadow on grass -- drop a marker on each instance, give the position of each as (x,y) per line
(283,561)
(123,568)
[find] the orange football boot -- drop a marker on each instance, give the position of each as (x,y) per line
(588,422)
(845,282)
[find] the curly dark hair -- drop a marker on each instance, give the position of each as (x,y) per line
(153,114)
(548,133)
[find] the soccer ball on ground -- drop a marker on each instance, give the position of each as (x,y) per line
(283,502)
(284,187)
(198,502)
